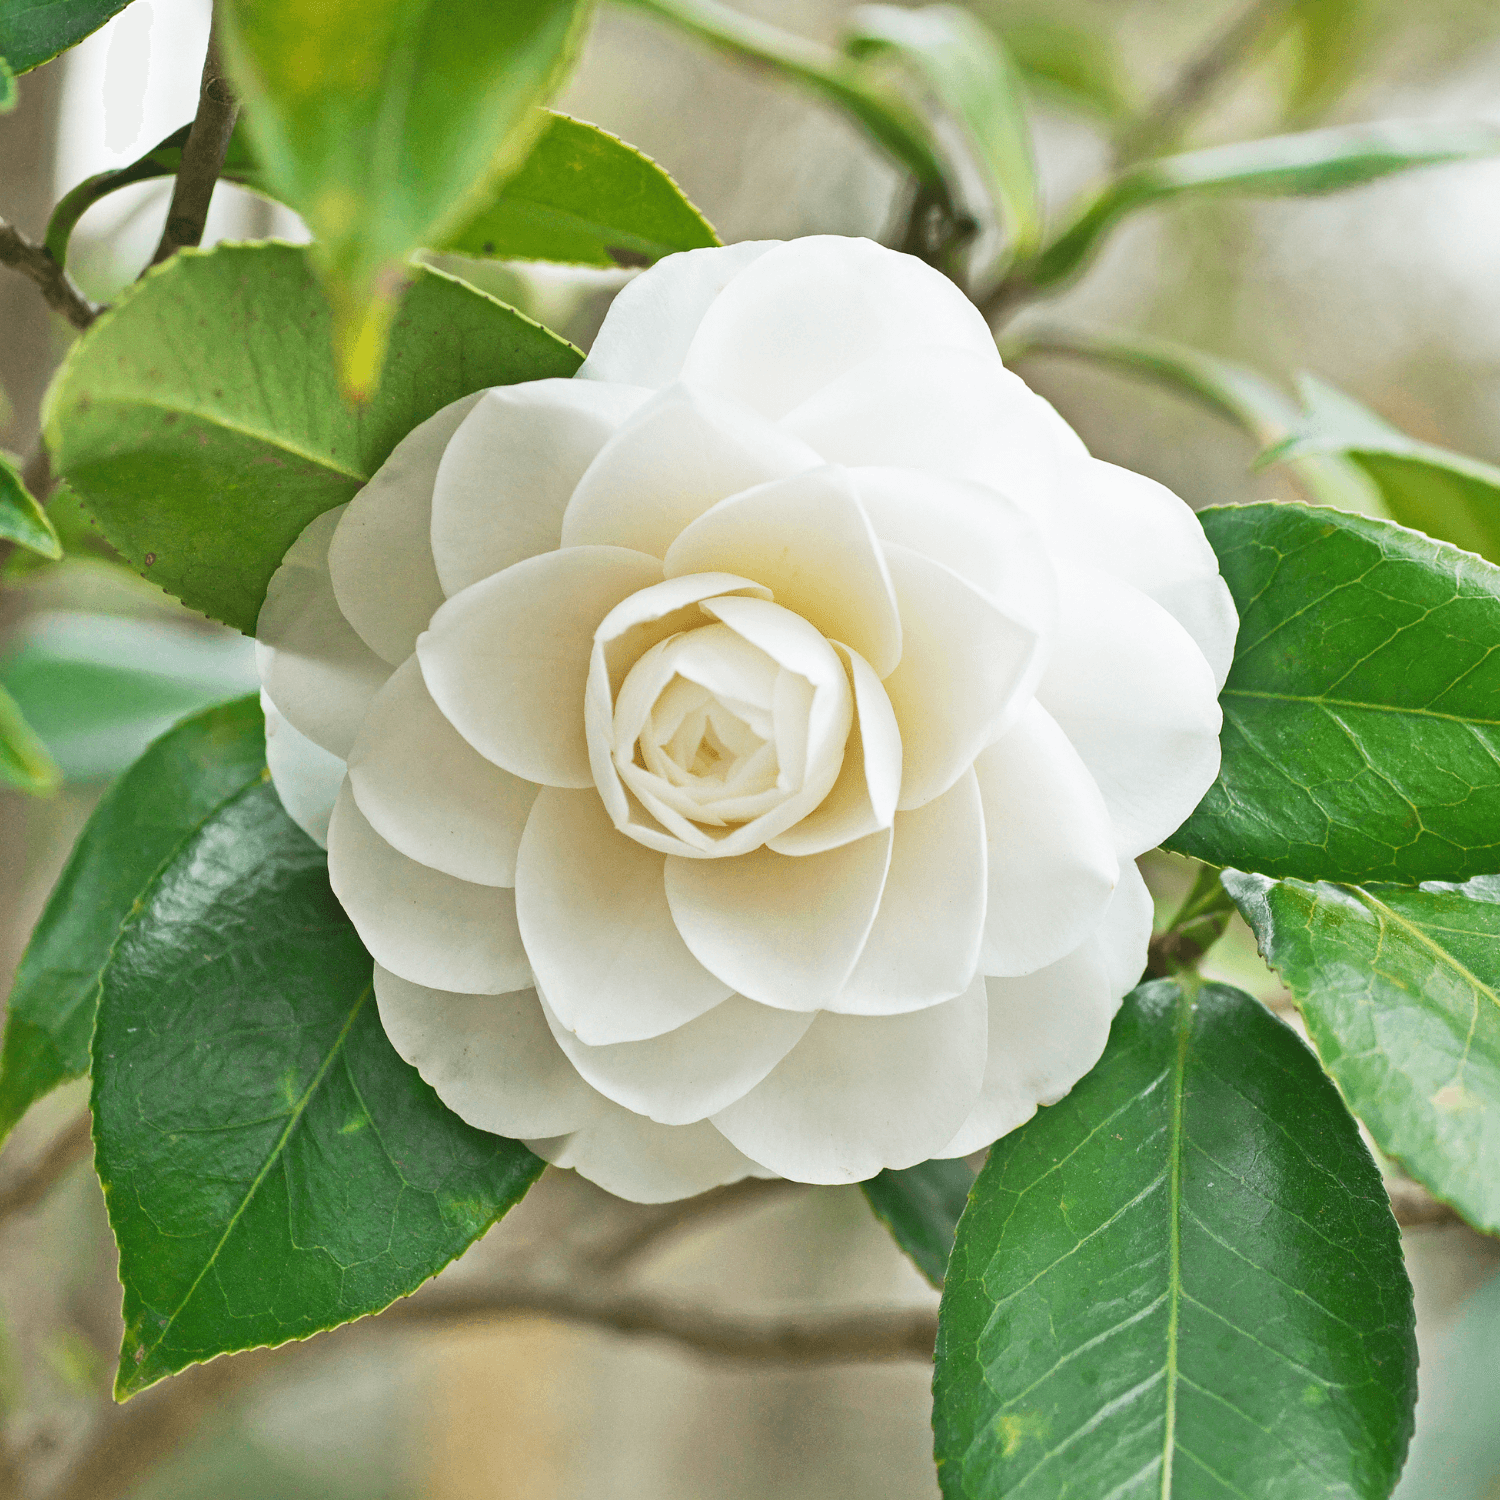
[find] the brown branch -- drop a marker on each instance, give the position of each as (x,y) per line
(24,1190)
(59,290)
(202,155)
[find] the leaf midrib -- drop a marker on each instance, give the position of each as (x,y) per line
(1346,703)
(293,1120)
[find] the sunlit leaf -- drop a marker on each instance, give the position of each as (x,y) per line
(22,520)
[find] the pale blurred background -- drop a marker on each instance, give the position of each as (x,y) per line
(1391,292)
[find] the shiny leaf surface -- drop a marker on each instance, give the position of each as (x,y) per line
(201,422)
(22,520)
(1183,1280)
(921,1206)
(35,31)
(1361,734)
(1400,990)
(177,786)
(270,1165)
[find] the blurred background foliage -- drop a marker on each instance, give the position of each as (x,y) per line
(1388,294)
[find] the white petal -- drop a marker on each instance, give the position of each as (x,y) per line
(784,931)
(924,946)
(312,665)
(943,411)
(976,532)
(679,454)
(702,1066)
(646,332)
(808,310)
(506,476)
(863,799)
(1141,532)
(419,923)
(636,1159)
(306,777)
(594,917)
(808,540)
(1049,1028)
(507,660)
(429,794)
(967,669)
(1131,689)
(860,1093)
(489,1058)
(1052,861)
(381,555)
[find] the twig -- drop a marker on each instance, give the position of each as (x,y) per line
(27,1189)
(57,287)
(202,155)
(1164,121)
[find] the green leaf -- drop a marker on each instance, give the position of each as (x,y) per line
(1400,990)
(1232,391)
(166,798)
(1182,1280)
(99,689)
(1316,161)
(9,94)
(1361,734)
(584,197)
(968,69)
(200,420)
(271,1166)
(1428,488)
(24,764)
(35,31)
(22,520)
(920,1206)
(862,91)
(1077,68)
(385,124)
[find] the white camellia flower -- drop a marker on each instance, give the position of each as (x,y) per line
(735,757)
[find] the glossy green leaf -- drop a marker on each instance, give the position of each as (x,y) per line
(968,69)
(99,689)
(1361,734)
(22,520)
(9,94)
(386,124)
(921,1206)
(1184,1280)
(584,197)
(271,1166)
(1400,990)
(201,423)
(1428,488)
(143,820)
(1238,394)
(35,31)
(1317,161)
(26,766)
(1075,67)
(862,91)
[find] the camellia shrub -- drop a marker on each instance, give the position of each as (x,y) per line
(726,756)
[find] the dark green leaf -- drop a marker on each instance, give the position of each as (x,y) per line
(271,1166)
(1361,732)
(1445,494)
(1182,1280)
(99,688)
(1078,68)
(25,765)
(968,69)
(890,121)
(22,520)
(1317,161)
(1400,990)
(35,31)
(201,423)
(920,1206)
(1239,395)
(583,196)
(383,124)
(177,786)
